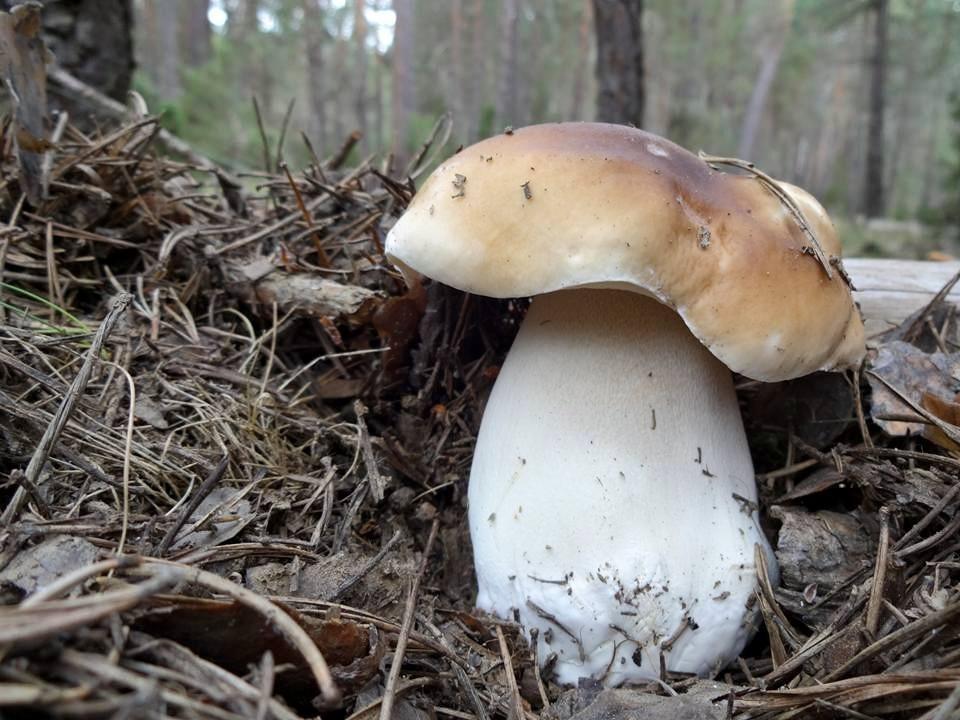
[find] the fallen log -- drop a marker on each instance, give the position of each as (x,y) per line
(889,291)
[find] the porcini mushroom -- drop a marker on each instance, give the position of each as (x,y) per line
(612,497)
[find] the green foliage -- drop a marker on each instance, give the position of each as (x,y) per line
(74,325)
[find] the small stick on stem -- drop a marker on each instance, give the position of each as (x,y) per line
(815,248)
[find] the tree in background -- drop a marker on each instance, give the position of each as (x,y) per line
(404,88)
(619,70)
(583,55)
(951,211)
(196,32)
(873,200)
(508,79)
(166,69)
(316,86)
(360,70)
(771,51)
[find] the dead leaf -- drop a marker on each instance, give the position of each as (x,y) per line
(151,412)
(217,519)
(334,388)
(397,322)
(40,565)
(916,374)
(946,410)
(235,637)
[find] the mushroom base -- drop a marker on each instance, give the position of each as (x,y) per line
(612,495)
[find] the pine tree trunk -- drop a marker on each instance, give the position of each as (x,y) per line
(771,52)
(455,92)
(168,27)
(335,99)
(507,82)
(583,56)
(381,68)
(404,95)
(873,201)
(195,30)
(620,81)
(360,70)
(479,72)
(316,90)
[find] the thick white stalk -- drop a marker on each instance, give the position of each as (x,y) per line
(612,495)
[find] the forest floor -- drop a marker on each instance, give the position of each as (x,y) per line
(234,451)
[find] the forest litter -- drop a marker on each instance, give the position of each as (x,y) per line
(234,452)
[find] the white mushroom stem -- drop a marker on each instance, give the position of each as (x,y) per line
(612,495)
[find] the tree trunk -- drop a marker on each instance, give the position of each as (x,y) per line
(771,52)
(530,64)
(195,30)
(508,77)
(688,94)
(900,121)
(334,101)
(456,91)
(316,90)
(244,75)
(823,164)
(479,72)
(873,201)
(620,82)
(92,40)
(404,94)
(168,27)
(360,70)
(381,68)
(583,56)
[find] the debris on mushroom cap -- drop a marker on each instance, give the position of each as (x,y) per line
(620,207)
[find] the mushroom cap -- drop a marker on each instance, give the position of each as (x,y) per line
(567,205)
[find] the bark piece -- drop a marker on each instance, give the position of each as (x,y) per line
(823,548)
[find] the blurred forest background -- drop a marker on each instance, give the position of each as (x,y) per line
(856,100)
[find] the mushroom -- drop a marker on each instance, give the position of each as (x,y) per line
(612,498)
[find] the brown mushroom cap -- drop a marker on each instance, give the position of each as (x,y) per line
(571,205)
